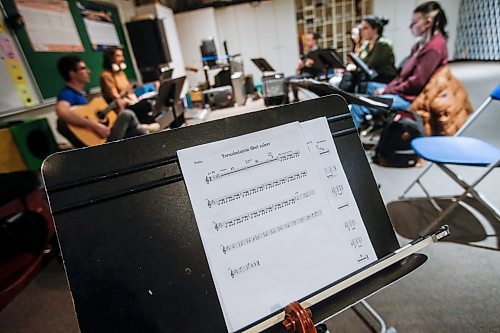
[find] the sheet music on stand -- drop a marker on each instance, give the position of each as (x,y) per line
(135,250)
(258,197)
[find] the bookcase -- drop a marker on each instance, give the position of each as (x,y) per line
(331,19)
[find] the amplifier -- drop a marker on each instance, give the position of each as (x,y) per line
(31,139)
(272,85)
(218,98)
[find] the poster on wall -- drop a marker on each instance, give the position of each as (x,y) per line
(100,28)
(14,88)
(50,26)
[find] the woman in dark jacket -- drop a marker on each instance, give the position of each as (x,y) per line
(377,51)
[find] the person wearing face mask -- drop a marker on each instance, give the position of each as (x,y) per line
(115,85)
(427,56)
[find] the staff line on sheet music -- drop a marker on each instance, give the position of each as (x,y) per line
(280,158)
(258,188)
(245,268)
(270,232)
(262,211)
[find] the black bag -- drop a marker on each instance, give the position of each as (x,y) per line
(23,232)
(142,111)
(394,148)
(349,81)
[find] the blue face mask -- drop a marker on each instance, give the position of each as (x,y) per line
(415,32)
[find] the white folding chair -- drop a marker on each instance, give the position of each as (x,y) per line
(458,150)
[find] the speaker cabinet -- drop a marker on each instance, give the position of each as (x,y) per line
(34,141)
(10,157)
(209,53)
(149,43)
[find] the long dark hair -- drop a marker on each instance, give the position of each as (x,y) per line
(433,10)
(108,57)
(376,23)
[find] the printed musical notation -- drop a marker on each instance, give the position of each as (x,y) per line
(331,171)
(357,242)
(362,258)
(338,190)
(256,189)
(262,211)
(280,158)
(270,232)
(350,225)
(343,206)
(322,147)
(245,268)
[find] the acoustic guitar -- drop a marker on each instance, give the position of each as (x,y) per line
(97,110)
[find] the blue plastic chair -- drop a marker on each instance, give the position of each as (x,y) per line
(458,150)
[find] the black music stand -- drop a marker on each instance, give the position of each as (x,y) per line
(324,89)
(131,247)
(263,65)
(168,109)
(363,66)
(326,59)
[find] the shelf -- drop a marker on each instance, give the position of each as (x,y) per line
(333,20)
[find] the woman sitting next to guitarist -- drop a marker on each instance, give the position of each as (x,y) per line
(115,84)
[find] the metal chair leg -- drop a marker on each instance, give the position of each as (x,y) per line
(417,180)
(469,189)
(374,314)
(471,118)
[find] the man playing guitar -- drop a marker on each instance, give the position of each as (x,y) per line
(76,74)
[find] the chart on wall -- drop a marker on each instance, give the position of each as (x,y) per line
(15,89)
(100,28)
(50,26)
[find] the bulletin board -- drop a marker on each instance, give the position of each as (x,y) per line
(43,65)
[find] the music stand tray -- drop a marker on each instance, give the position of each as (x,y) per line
(363,66)
(263,65)
(130,243)
(168,107)
(326,58)
(324,89)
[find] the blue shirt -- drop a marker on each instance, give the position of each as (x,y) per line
(71,96)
